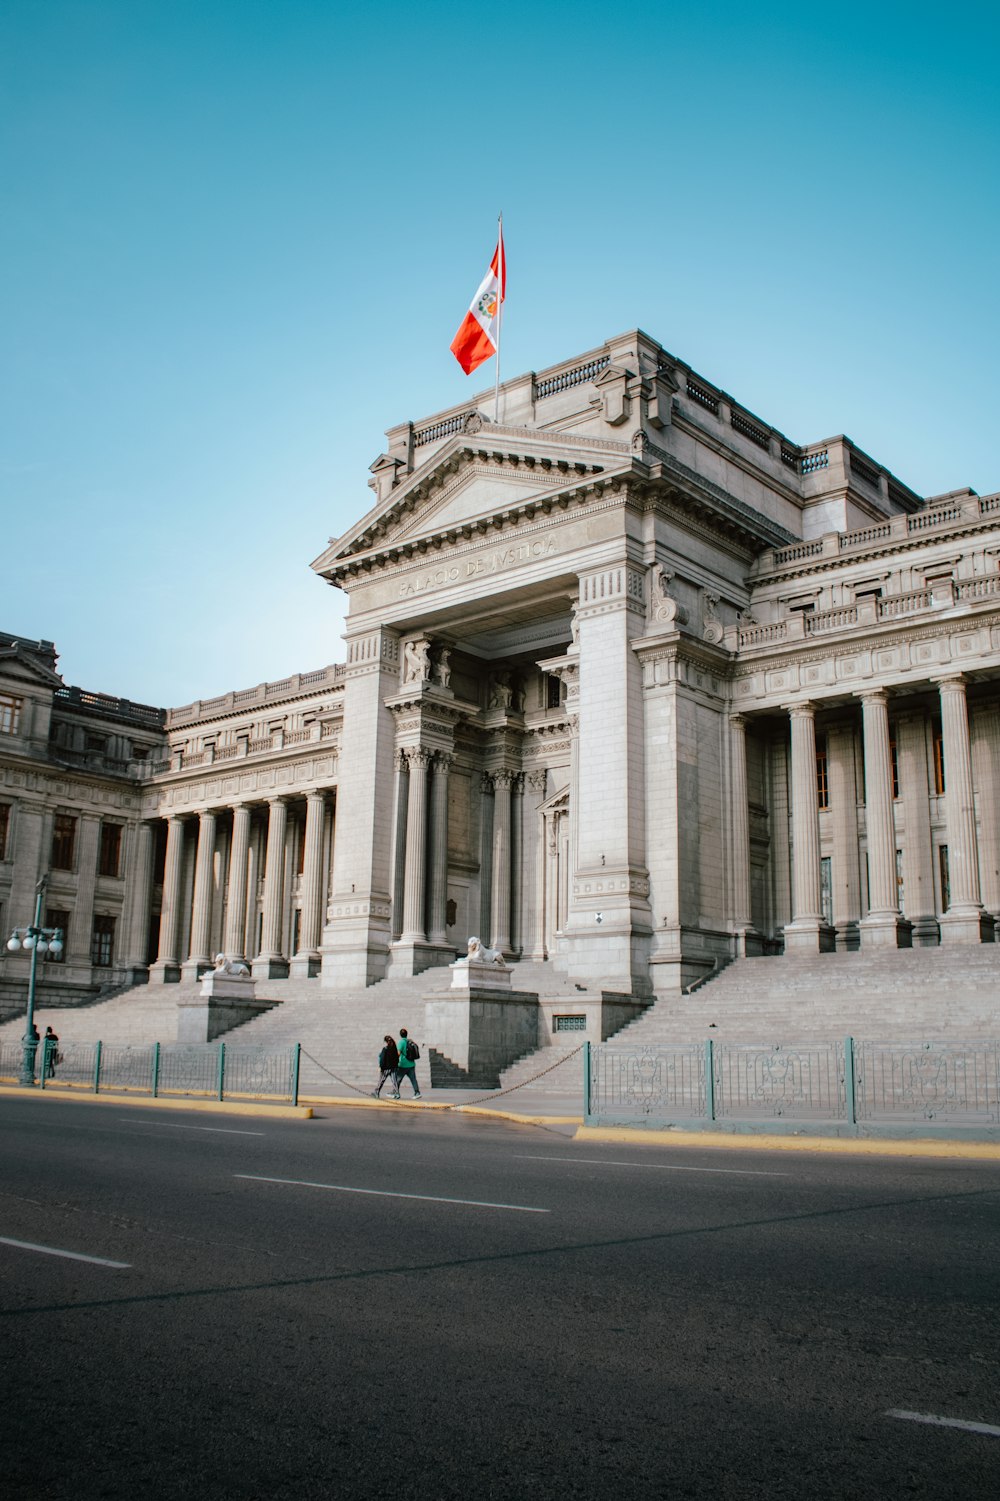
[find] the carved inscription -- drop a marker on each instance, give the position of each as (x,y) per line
(497,561)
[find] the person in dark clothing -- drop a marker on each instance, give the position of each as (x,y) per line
(51,1045)
(407,1064)
(388,1062)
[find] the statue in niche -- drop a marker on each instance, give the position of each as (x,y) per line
(416,660)
(663,607)
(440,666)
(517,694)
(500,691)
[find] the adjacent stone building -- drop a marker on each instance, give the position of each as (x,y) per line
(633,683)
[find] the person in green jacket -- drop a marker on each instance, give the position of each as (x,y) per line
(407,1064)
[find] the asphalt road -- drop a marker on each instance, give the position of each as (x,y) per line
(412,1304)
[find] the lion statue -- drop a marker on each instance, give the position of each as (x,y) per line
(225,966)
(480,954)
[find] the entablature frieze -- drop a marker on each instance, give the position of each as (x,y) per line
(244,787)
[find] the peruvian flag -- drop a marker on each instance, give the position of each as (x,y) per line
(479,335)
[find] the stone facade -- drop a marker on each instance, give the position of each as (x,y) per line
(633,683)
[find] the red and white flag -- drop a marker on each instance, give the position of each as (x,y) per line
(479,336)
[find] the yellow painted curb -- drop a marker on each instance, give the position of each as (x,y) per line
(147,1102)
(523,1120)
(853,1146)
(367,1103)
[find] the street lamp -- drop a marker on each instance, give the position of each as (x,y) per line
(38,940)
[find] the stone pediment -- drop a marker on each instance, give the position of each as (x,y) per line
(477,476)
(20,665)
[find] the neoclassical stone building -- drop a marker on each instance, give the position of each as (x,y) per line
(633,684)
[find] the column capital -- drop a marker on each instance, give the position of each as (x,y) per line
(502,780)
(873,696)
(739,721)
(442,762)
(805,710)
(538,780)
(954,682)
(417,756)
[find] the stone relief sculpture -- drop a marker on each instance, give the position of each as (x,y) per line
(663,608)
(500,690)
(440,666)
(712,628)
(416,660)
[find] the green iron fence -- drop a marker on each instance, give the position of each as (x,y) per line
(212,1070)
(849,1087)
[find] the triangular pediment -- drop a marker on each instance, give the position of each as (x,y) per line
(476,476)
(20,665)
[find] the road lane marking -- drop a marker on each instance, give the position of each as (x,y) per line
(27,1245)
(663,1167)
(170,1126)
(939,1422)
(385,1193)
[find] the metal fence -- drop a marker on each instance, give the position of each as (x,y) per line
(205,1070)
(845,1088)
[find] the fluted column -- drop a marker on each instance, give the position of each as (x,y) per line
(199,959)
(439,850)
(965,921)
(748,940)
(500,891)
(234,941)
(140,885)
(985,731)
(401,804)
(882,927)
(534,868)
(270,963)
(807,932)
(842,770)
(167,966)
(416,850)
(918,850)
(306,961)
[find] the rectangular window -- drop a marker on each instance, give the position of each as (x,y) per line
(55,917)
(899,882)
(10,714)
(102,943)
(894,758)
(111,849)
(296,930)
(822,777)
(826,889)
(63,842)
(938,760)
(4,829)
(553,692)
(300,846)
(569,1024)
(945,877)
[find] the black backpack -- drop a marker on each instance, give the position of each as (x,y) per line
(412,1051)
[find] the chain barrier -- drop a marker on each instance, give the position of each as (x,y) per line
(455,1104)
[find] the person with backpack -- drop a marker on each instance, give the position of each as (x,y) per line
(408,1055)
(388,1062)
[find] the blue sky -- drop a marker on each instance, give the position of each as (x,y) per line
(237,236)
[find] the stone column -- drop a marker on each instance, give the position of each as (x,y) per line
(439,850)
(140,877)
(843,775)
(270,963)
(748,940)
(882,927)
(199,959)
(534,869)
(918,849)
(484,921)
(82,922)
(500,899)
(234,941)
(416,850)
(306,962)
(167,967)
(806,933)
(985,729)
(400,804)
(965,921)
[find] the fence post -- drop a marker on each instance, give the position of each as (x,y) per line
(156,1068)
(710,1079)
(97,1069)
(850,1082)
(296,1065)
(586,1082)
(222,1069)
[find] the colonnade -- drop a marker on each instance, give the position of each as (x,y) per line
(234,874)
(972,848)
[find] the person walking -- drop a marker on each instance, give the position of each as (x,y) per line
(408,1055)
(50,1043)
(388,1062)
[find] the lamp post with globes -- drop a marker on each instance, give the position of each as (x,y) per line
(37,940)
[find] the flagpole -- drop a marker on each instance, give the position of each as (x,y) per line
(500,292)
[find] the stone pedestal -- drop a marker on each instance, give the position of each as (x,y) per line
(226,1001)
(481,1025)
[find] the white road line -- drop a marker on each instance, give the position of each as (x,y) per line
(663,1167)
(384,1193)
(171,1126)
(938,1422)
(27,1245)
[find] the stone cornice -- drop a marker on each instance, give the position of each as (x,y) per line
(828,647)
